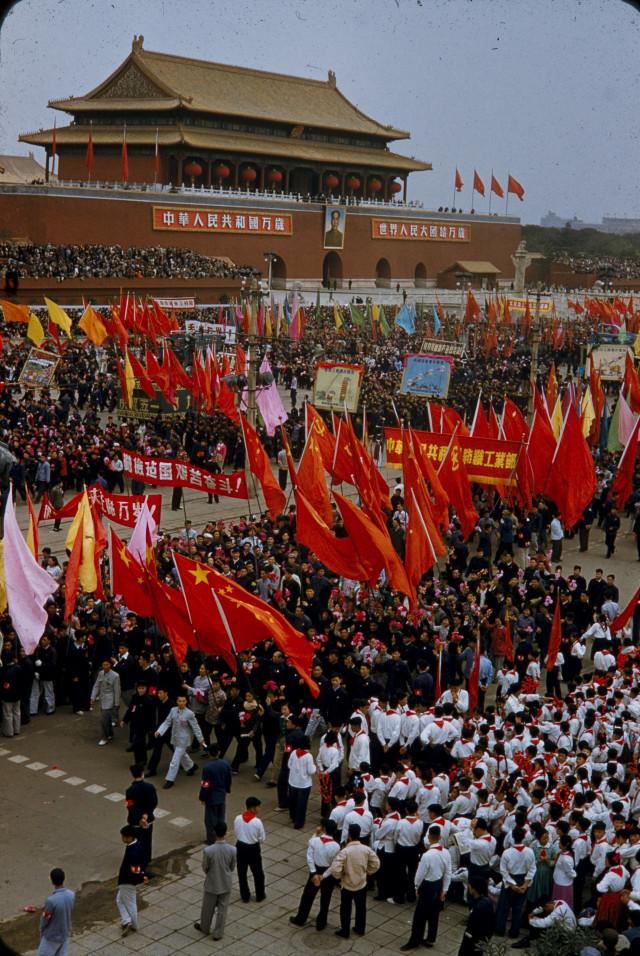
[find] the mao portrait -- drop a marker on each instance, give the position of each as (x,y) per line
(334,221)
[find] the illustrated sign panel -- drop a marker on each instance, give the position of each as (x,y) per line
(215,220)
(487,460)
(426,375)
(609,361)
(337,384)
(420,230)
(39,369)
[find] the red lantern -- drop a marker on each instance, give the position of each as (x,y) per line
(275,176)
(331,181)
(249,175)
(395,187)
(193,170)
(221,171)
(353,183)
(375,185)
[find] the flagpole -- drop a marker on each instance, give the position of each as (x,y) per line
(453,201)
(506,207)
(490,192)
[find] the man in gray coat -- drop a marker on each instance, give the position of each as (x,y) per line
(107,690)
(184,727)
(218,863)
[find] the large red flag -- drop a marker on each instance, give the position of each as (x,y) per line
(513,186)
(474,680)
(480,425)
(311,480)
(625,616)
(429,473)
(555,637)
(514,425)
(211,637)
(622,484)
(631,385)
(455,481)
(478,185)
(338,554)
(260,466)
(373,544)
(458,181)
(415,490)
(171,616)
(572,479)
(496,188)
(142,377)
(419,555)
(128,578)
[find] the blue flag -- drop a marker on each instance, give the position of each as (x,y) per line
(406,320)
(604,427)
(437,324)
(287,310)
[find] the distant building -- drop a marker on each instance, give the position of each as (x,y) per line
(21,170)
(611,224)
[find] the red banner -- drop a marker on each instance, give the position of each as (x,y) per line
(207,219)
(487,460)
(122,509)
(171,473)
(420,230)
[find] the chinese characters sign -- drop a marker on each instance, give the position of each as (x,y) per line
(420,230)
(208,219)
(171,473)
(487,460)
(122,509)
(520,305)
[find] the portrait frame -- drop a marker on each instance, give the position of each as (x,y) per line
(334,222)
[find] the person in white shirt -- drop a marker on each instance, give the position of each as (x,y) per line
(249,833)
(517,868)
(360,747)
(321,850)
(433,878)
(301,770)
(553,911)
(384,843)
(481,850)
(409,834)
(360,815)
(564,872)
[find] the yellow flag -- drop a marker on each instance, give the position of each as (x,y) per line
(268,323)
(93,326)
(35,332)
(588,413)
(58,316)
(556,418)
(3,584)
(636,344)
(129,378)
(337,317)
(83,524)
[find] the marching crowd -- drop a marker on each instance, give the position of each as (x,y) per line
(526,806)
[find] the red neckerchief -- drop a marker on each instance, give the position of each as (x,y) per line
(248,816)
(300,752)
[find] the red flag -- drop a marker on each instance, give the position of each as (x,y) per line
(631,384)
(141,375)
(171,616)
(572,480)
(540,451)
(458,181)
(474,680)
(478,185)
(472,310)
(178,373)
(496,188)
(552,388)
(420,555)
(260,466)
(211,637)
(88,161)
(455,481)
(513,186)
(555,637)
(241,361)
(514,425)
(100,537)
(440,496)
(418,501)
(72,577)
(343,469)
(480,425)
(33,536)
(625,616)
(622,484)
(325,440)
(311,480)
(508,640)
(125,158)
(372,544)
(338,554)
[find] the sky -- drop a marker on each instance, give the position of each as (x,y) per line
(546,90)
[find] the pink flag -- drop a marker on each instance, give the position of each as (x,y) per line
(138,543)
(28,585)
(626,421)
(270,404)
(294,328)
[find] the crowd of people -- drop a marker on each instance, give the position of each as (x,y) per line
(525,805)
(86,261)
(605,267)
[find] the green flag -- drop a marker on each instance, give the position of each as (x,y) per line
(382,321)
(356,316)
(613,441)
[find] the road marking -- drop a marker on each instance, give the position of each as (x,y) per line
(180,822)
(159,814)
(56,773)
(18,759)
(114,797)
(36,765)
(95,788)
(75,781)
(4,751)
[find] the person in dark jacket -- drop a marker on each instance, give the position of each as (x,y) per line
(293,739)
(141,716)
(28,669)
(79,672)
(130,876)
(163,707)
(142,800)
(10,690)
(45,659)
(337,704)
(481,923)
(214,787)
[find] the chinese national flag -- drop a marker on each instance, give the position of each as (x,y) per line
(496,188)
(140,374)
(128,578)
(372,544)
(572,480)
(455,481)
(260,466)
(171,616)
(552,387)
(622,484)
(201,608)
(474,680)
(338,554)
(241,617)
(555,637)
(513,186)
(478,185)
(458,181)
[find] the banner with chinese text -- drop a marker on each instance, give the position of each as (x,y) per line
(208,219)
(171,473)
(487,460)
(420,230)
(122,509)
